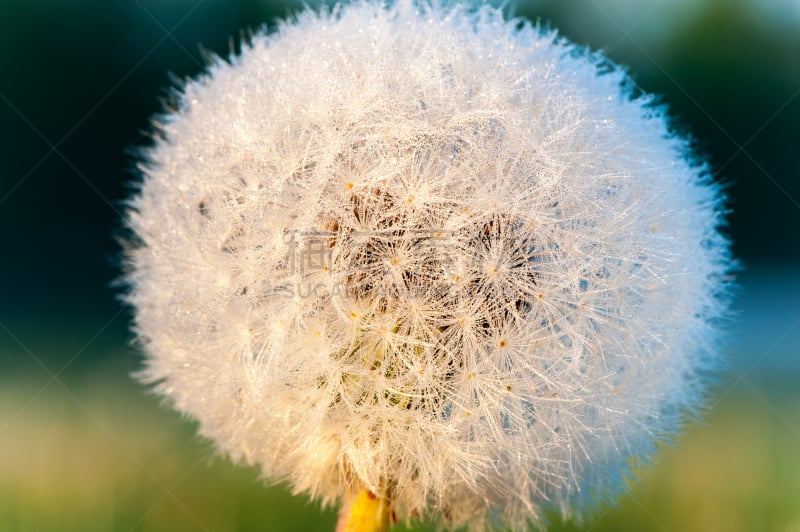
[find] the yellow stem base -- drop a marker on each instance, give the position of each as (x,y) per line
(362,511)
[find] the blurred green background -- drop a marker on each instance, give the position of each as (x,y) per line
(82,447)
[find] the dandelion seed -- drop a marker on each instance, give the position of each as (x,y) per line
(428,254)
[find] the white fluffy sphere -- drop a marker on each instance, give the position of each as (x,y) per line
(428,251)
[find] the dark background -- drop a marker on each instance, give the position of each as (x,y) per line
(80,80)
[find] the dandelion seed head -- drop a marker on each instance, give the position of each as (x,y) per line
(446,256)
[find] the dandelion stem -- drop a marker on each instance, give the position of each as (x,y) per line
(362,511)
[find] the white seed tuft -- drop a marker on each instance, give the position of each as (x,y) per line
(445,256)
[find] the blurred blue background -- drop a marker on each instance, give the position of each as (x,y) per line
(83,448)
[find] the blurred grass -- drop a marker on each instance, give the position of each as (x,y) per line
(97,453)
